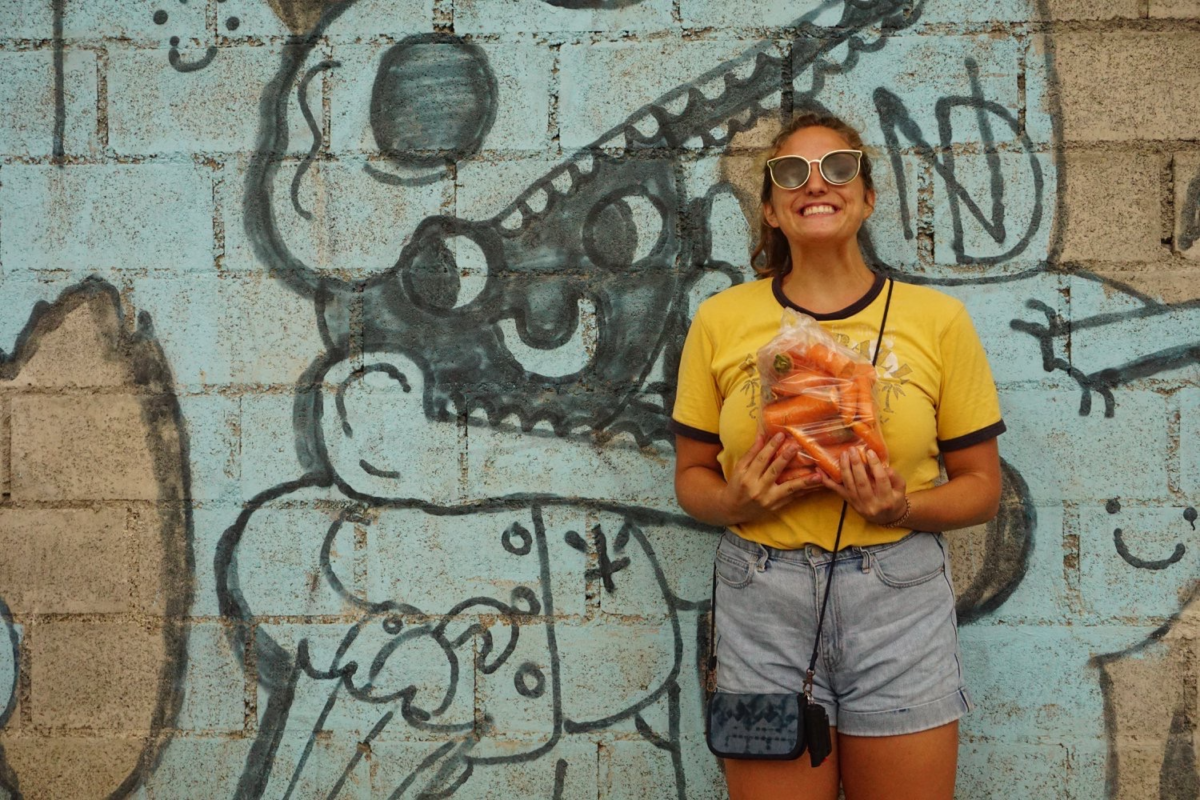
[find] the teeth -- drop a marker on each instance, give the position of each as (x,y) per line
(718,134)
(693,142)
(676,105)
(647,126)
(562,182)
(746,68)
(713,88)
(617,142)
(813,210)
(536,200)
(771,102)
(513,221)
(585,163)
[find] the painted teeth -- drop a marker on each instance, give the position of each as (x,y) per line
(562,182)
(537,200)
(585,163)
(714,88)
(677,104)
(513,221)
(647,126)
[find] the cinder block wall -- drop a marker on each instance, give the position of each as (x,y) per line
(338,341)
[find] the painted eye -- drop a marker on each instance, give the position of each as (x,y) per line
(623,229)
(446,274)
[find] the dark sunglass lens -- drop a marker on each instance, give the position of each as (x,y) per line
(839,167)
(790,172)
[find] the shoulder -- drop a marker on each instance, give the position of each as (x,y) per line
(940,310)
(737,300)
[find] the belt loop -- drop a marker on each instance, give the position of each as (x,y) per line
(764,555)
(866,565)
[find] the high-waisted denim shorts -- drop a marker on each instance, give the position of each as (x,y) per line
(889,661)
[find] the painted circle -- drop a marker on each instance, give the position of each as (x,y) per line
(521,544)
(233,23)
(160,17)
(623,228)
(434,99)
(529,681)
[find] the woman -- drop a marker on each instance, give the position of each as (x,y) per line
(889,672)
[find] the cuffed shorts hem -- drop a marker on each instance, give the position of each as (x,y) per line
(926,716)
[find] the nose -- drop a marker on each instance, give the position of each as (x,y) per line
(816,181)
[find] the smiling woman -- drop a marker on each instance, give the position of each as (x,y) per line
(891,680)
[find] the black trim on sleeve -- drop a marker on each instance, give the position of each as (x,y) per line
(965,441)
(693,433)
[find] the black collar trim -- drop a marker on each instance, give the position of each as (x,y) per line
(849,311)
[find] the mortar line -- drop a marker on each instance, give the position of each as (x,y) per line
(60,108)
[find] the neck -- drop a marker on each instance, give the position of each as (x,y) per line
(825,280)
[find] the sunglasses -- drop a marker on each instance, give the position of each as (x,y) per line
(837,167)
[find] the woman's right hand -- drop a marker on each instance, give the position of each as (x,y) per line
(752,493)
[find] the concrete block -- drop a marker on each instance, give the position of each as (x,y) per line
(1189,442)
(327,761)
(1005,191)
(1037,772)
(187,314)
(208,524)
(191,768)
(1034,684)
(81,448)
(1093,9)
(85,219)
(631,561)
(274,331)
(952,12)
(536,777)
(27,94)
(11,635)
(608,667)
(213,424)
(19,21)
(629,769)
(507,16)
(214,689)
(385,445)
(1135,561)
(1130,336)
(1114,207)
(519,697)
(20,293)
(268,442)
(1013,355)
(1187,203)
(486,187)
(356,21)
(1057,451)
(923,71)
(503,461)
(1105,78)
(756,13)
(521,101)
(155,110)
(83,352)
(1043,595)
(603,84)
(436,563)
(1174,9)
(343,235)
(141,22)
(66,561)
(95,674)
(280,569)
(84,767)
(895,242)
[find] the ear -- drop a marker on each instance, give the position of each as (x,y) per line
(768,212)
(870,201)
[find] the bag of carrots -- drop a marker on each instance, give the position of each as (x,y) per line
(819,393)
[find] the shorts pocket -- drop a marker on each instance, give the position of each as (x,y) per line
(914,560)
(734,572)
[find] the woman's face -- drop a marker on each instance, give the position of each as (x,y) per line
(818,213)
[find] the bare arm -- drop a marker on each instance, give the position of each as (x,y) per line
(751,492)
(970,497)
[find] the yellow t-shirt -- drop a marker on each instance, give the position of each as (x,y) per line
(935,392)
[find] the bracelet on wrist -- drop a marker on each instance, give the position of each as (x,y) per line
(903,518)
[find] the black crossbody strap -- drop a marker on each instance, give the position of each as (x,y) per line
(837,541)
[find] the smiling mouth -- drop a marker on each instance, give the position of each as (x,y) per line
(818,210)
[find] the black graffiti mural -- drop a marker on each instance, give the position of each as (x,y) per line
(544,331)
(149,683)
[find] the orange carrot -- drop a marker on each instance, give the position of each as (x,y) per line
(828,359)
(818,453)
(804,408)
(871,436)
(802,381)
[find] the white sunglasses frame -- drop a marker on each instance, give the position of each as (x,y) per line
(810,161)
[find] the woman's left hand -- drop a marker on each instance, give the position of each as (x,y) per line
(871,487)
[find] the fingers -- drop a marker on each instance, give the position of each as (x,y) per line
(759,464)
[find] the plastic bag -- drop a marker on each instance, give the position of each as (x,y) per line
(819,393)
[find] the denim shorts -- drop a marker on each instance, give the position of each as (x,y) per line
(889,661)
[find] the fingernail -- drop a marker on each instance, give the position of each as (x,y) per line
(777,438)
(871,456)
